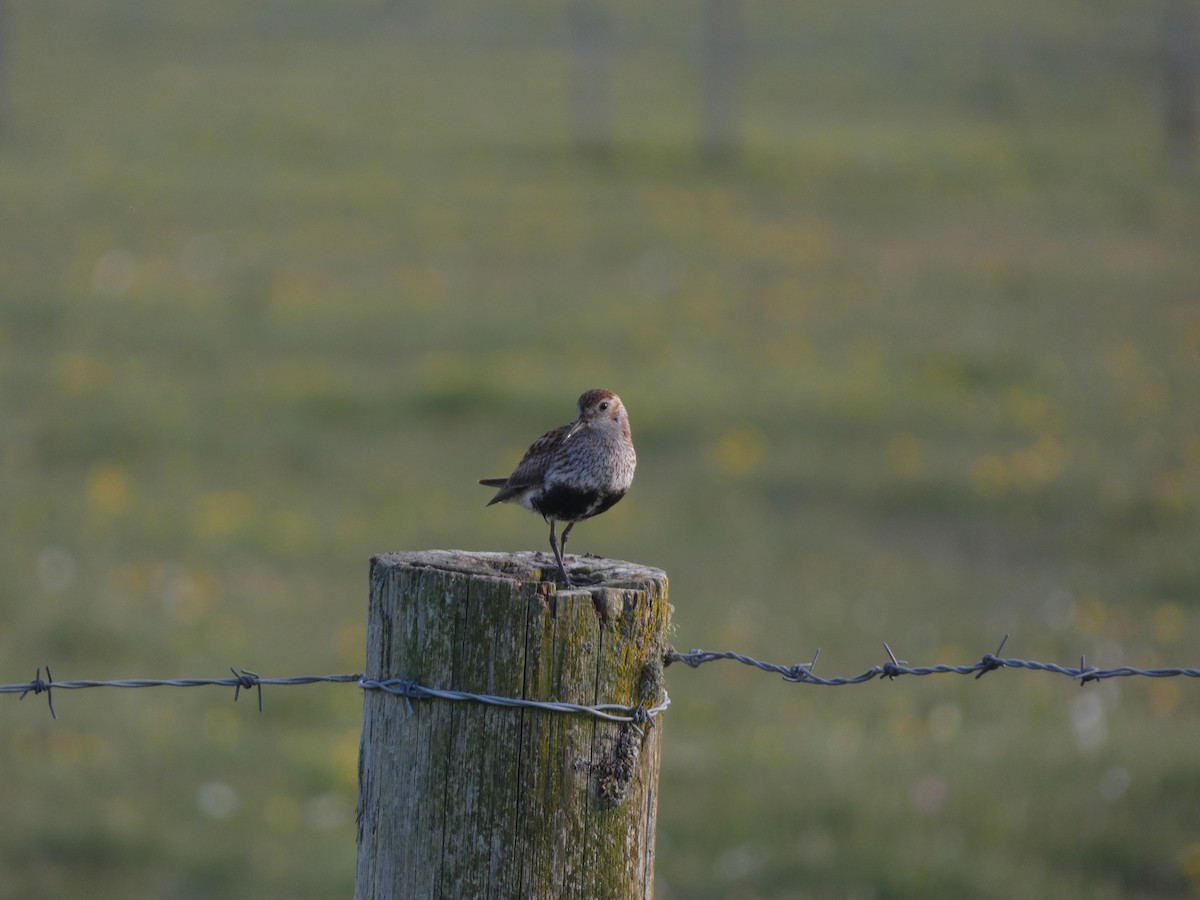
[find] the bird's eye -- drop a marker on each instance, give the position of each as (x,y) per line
(603,405)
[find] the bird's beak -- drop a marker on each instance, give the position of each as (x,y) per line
(582,423)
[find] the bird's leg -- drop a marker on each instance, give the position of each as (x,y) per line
(558,557)
(562,539)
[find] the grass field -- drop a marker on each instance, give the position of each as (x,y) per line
(921,365)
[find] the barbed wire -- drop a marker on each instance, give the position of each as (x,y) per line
(612,712)
(637,715)
(802,673)
(244,679)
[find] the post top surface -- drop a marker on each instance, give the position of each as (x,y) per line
(587,571)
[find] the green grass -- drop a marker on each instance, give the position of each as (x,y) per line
(922,365)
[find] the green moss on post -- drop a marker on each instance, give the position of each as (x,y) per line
(463,799)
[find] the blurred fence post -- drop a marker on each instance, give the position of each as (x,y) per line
(5,109)
(720,67)
(461,799)
(1181,84)
(587,87)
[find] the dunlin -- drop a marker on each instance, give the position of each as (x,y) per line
(576,471)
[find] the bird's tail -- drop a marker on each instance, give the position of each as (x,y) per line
(493,482)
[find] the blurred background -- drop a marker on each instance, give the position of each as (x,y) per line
(903,299)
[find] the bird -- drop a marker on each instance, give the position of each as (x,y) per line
(575,471)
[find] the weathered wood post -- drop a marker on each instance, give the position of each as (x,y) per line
(463,799)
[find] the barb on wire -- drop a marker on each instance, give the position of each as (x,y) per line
(802,673)
(37,686)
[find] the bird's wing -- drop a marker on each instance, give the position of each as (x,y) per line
(531,470)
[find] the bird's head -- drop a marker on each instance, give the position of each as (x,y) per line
(600,410)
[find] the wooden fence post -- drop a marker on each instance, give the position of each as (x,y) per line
(462,799)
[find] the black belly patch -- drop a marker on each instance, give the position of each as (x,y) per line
(568,504)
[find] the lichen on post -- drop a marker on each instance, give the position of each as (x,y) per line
(466,799)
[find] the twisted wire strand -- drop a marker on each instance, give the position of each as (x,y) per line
(802,673)
(612,712)
(243,679)
(638,715)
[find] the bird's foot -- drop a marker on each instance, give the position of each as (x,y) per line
(585,579)
(565,578)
